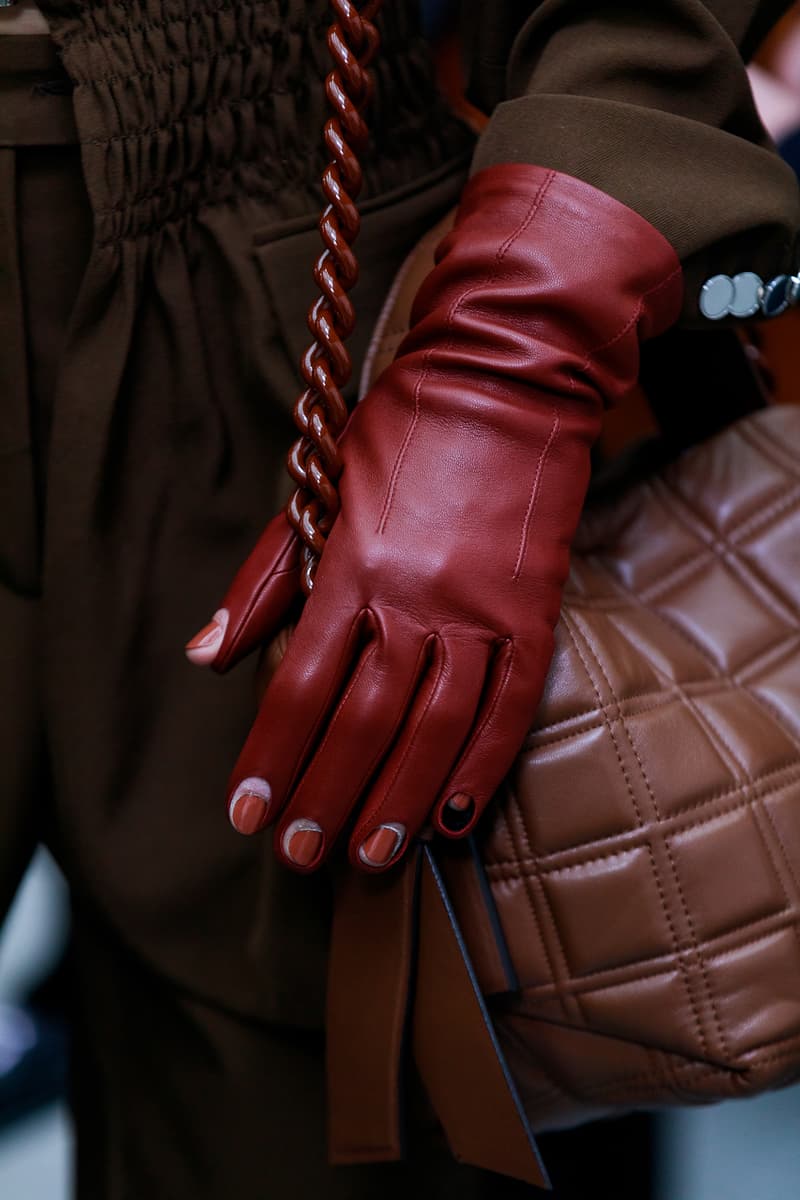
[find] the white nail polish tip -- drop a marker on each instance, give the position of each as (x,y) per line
(203,655)
(399,832)
(252,786)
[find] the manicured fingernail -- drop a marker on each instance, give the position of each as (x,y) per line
(249,805)
(382,844)
(203,647)
(460,802)
(302,842)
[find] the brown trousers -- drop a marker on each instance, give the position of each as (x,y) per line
(141,450)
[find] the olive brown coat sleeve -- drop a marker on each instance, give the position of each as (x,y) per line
(651,103)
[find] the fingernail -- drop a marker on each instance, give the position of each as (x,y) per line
(203,647)
(302,842)
(249,805)
(382,844)
(457,814)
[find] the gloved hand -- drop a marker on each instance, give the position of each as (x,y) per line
(419,660)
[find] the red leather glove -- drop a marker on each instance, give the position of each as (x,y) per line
(419,660)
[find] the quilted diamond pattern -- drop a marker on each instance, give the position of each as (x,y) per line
(645,864)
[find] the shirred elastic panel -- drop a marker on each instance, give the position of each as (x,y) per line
(184,106)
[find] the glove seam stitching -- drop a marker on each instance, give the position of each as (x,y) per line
(533,499)
(632,320)
(398,466)
(456,304)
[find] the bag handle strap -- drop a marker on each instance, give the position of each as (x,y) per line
(320,412)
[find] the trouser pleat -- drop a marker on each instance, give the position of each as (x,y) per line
(19,541)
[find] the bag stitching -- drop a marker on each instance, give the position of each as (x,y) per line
(656,873)
(725,550)
(761,439)
(675,826)
(528,887)
(636,704)
(629,974)
(688,1067)
(683,1066)
(784,853)
(759,817)
(658,829)
(638,600)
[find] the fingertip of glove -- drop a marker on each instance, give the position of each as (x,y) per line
(456,815)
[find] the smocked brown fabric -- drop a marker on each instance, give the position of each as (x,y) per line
(648,102)
(187,107)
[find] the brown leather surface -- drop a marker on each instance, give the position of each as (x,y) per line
(457,1059)
(369,969)
(397,964)
(645,862)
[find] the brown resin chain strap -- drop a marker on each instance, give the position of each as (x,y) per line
(321,412)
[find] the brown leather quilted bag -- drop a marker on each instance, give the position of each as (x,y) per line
(645,860)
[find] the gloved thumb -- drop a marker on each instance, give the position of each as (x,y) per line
(258,602)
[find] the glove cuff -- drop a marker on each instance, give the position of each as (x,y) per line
(563,280)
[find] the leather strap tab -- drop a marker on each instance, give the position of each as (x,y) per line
(369,982)
(458,1056)
(393,933)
